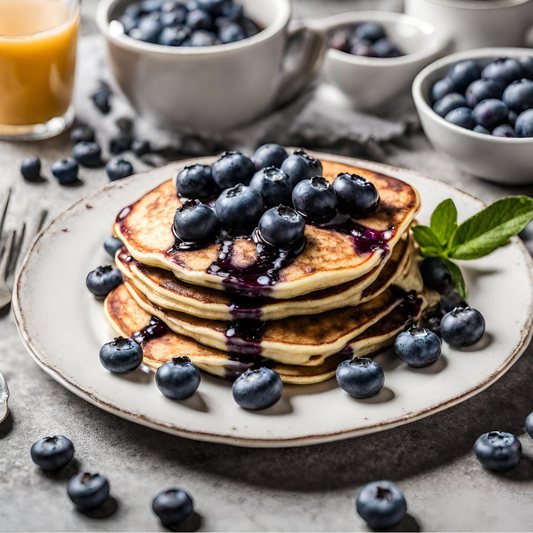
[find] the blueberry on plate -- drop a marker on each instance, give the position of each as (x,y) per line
(463,73)
(233,168)
(360,377)
(463,326)
(269,155)
(301,166)
(102,280)
(462,117)
(449,102)
(257,389)
(480,90)
(231,33)
(30,168)
(118,168)
(88,491)
(112,246)
(198,19)
(201,38)
(478,128)
(121,355)
(450,299)
(178,379)
(65,171)
(82,134)
(526,62)
(504,130)
(148,28)
(355,195)
(141,147)
(239,208)
(441,88)
(435,274)
(101,99)
(52,453)
(498,450)
(196,182)
(503,71)
(369,31)
(381,504)
(273,185)
(281,226)
(385,48)
(491,113)
(524,124)
(315,199)
(173,36)
(519,95)
(172,506)
(120,143)
(418,347)
(87,154)
(195,222)
(529,425)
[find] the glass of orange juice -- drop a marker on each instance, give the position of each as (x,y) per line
(37,61)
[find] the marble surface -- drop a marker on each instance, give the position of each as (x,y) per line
(300,489)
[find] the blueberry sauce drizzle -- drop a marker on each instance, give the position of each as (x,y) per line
(153,330)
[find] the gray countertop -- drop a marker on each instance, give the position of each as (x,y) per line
(300,489)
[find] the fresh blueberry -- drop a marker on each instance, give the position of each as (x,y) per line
(504,130)
(195,222)
(463,326)
(101,99)
(87,154)
(512,118)
(435,274)
(120,143)
(103,280)
(178,379)
(281,226)
(125,125)
(369,31)
(174,36)
(481,129)
(340,40)
(526,62)
(524,124)
(175,17)
(65,171)
(480,90)
(441,89)
(463,73)
(529,425)
(232,11)
(363,49)
(233,168)
(301,166)
(121,355)
(201,38)
(172,506)
(249,26)
(134,10)
(231,33)
(148,6)
(112,246)
(199,20)
(273,185)
(355,196)
(385,48)
(462,117)
(141,147)
(269,155)
(82,134)
(239,208)
(52,453)
(448,103)
(257,389)
(498,450)
(315,198)
(196,181)
(503,71)
(450,299)
(519,95)
(191,5)
(381,504)
(491,113)
(418,347)
(88,491)
(149,28)
(128,23)
(360,377)
(30,168)
(118,168)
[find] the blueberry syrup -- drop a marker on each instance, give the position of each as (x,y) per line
(243,337)
(153,330)
(124,256)
(410,306)
(124,213)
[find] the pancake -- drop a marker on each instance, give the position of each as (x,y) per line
(336,253)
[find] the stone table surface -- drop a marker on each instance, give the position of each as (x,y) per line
(300,489)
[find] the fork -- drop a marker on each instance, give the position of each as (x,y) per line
(5,291)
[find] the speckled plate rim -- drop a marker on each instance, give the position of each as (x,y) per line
(526,333)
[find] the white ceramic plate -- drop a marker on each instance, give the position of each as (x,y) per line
(63,328)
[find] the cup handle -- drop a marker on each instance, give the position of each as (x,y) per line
(310,44)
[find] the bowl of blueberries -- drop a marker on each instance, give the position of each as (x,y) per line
(375,55)
(477,107)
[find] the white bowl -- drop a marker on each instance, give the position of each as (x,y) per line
(371,82)
(498,159)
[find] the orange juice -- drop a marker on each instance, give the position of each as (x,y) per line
(37,59)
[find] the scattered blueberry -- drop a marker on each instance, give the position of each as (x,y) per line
(103,280)
(369,31)
(491,113)
(121,355)
(88,491)
(112,246)
(65,171)
(526,62)
(481,129)
(360,377)
(195,222)
(381,504)
(30,168)
(281,226)
(504,130)
(232,168)
(450,299)
(120,143)
(355,195)
(101,99)
(118,168)
(463,73)
(480,90)
(301,166)
(273,185)
(524,124)
(441,89)
(503,71)
(257,389)
(196,182)
(52,453)
(418,347)
(315,199)
(448,103)
(239,208)
(82,134)
(435,274)
(172,506)
(463,326)
(178,379)
(462,117)
(498,450)
(87,154)
(269,155)
(173,36)
(519,95)
(529,425)
(141,147)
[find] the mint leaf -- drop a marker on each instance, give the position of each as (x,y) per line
(491,228)
(444,221)
(428,241)
(457,276)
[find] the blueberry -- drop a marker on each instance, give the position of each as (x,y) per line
(524,124)
(249,26)
(435,274)
(195,222)
(65,171)
(232,11)
(480,90)
(529,425)
(273,185)
(512,118)
(134,10)
(128,23)
(340,40)
(498,450)
(148,6)
(174,17)
(360,377)
(450,299)
(503,71)
(178,379)
(196,181)
(257,389)
(491,113)
(213,7)
(301,166)
(199,19)
(369,31)
(30,168)
(481,129)
(149,28)
(504,130)
(448,103)
(231,33)
(121,355)
(82,134)
(101,99)
(125,125)
(52,453)
(88,491)
(519,95)
(120,143)
(174,36)
(201,38)
(463,326)
(355,195)
(239,208)
(526,62)
(385,48)
(441,88)
(269,155)
(112,246)
(103,280)
(381,504)
(315,198)
(172,506)
(87,154)
(462,117)
(233,168)
(141,147)
(418,347)
(363,49)
(118,168)
(463,73)
(281,226)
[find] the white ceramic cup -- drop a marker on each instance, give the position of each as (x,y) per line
(477,23)
(216,87)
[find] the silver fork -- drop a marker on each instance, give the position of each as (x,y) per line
(5,291)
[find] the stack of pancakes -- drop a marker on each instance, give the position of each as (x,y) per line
(234,305)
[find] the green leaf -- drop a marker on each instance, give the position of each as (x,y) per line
(444,221)
(428,241)
(457,276)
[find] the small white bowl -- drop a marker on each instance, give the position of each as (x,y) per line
(498,159)
(370,82)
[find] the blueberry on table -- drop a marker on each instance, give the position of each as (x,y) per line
(462,327)
(301,166)
(360,377)
(30,168)
(178,379)
(141,147)
(503,71)
(174,36)
(519,95)
(102,280)
(120,143)
(435,274)
(526,62)
(462,117)
(355,195)
(273,185)
(448,103)
(232,168)
(315,199)
(195,222)
(172,506)
(441,88)
(112,246)
(257,389)
(281,226)
(239,208)
(101,99)
(481,129)
(88,491)
(504,130)
(269,155)
(121,355)
(52,453)
(491,113)
(65,171)
(369,31)
(480,90)
(196,182)
(463,73)
(118,168)
(381,504)
(529,425)
(418,347)
(498,450)
(524,124)
(87,154)
(82,134)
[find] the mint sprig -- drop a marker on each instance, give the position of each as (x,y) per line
(476,237)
